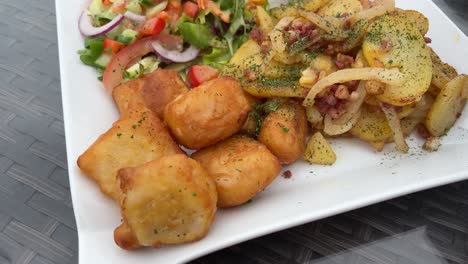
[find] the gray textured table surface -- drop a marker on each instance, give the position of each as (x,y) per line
(36,214)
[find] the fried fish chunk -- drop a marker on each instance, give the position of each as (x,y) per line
(133,140)
(207,114)
(170,200)
(240,166)
(154,90)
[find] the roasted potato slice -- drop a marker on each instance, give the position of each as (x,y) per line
(394,42)
(240,166)
(135,139)
(264,21)
(291,8)
(270,87)
(170,200)
(248,57)
(442,72)
(284,131)
(276,70)
(447,107)
(337,8)
(372,126)
(415,17)
(319,151)
(208,114)
(154,90)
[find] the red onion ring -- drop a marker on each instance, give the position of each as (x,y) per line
(173,55)
(88,30)
(135,17)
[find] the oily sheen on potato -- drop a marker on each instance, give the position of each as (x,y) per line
(207,114)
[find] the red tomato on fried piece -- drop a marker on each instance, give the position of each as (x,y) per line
(199,74)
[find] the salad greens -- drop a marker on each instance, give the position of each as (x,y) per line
(217,31)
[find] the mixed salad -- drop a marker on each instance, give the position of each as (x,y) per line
(125,39)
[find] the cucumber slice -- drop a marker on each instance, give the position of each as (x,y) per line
(144,66)
(103,60)
(134,7)
(127,36)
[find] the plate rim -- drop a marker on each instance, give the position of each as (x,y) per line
(268,228)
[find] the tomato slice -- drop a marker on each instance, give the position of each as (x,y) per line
(153,26)
(190,9)
(111,46)
(199,74)
(113,74)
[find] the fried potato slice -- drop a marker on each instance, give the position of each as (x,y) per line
(240,166)
(284,131)
(135,139)
(154,90)
(447,107)
(337,8)
(442,73)
(170,200)
(393,41)
(372,126)
(208,114)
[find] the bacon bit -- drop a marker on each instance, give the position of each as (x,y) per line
(342,92)
(287,174)
(265,47)
(386,45)
(257,35)
(343,61)
(250,75)
(427,40)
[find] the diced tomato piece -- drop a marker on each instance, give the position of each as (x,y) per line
(107,2)
(153,26)
(199,74)
(112,46)
(191,9)
(119,8)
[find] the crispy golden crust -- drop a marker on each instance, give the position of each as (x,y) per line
(170,200)
(133,140)
(240,166)
(154,90)
(284,131)
(207,114)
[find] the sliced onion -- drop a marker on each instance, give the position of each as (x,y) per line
(354,106)
(384,7)
(173,55)
(395,125)
(135,17)
(333,129)
(387,76)
(88,30)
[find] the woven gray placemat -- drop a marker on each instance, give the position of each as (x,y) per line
(36,215)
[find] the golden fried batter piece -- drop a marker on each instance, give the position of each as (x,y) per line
(133,140)
(207,114)
(170,200)
(240,166)
(154,90)
(284,131)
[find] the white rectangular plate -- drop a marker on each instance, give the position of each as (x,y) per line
(359,178)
